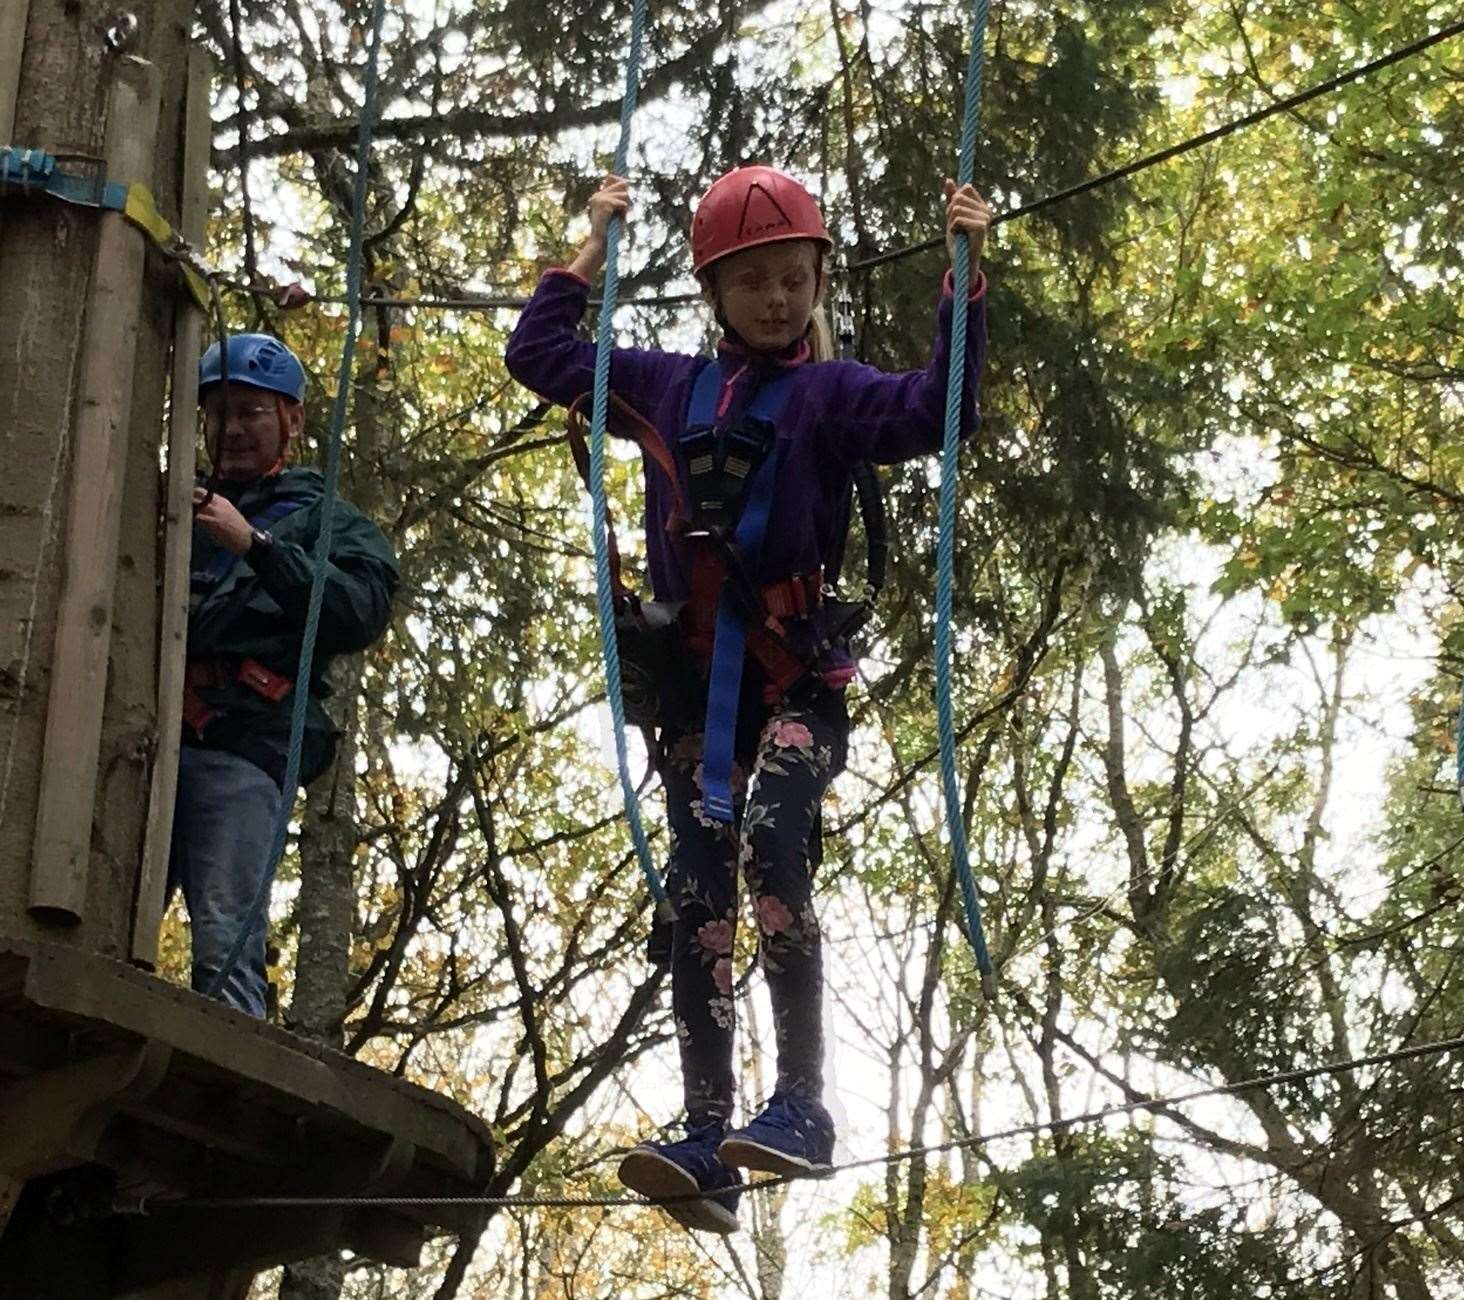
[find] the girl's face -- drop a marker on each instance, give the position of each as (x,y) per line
(767,294)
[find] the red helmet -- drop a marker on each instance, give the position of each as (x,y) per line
(751,206)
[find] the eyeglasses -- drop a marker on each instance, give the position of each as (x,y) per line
(243,413)
(254,414)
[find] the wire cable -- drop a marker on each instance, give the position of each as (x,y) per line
(1148,160)
(1142,163)
(1417,1051)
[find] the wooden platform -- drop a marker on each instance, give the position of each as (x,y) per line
(116,1086)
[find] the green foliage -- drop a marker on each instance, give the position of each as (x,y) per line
(1238,1006)
(1208,647)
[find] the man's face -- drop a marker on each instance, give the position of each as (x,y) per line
(767,294)
(245,433)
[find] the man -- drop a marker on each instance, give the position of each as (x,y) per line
(253,539)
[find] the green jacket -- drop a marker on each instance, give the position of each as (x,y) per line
(238,614)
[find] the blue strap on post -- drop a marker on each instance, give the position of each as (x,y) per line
(605,597)
(945,550)
(34,171)
(320,557)
(729,646)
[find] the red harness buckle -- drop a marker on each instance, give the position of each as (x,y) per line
(794,597)
(216,673)
(262,681)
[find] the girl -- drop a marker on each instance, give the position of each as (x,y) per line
(764,438)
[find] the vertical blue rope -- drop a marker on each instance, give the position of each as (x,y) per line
(946,546)
(601,396)
(321,554)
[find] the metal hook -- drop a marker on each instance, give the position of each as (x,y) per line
(844,316)
(120,31)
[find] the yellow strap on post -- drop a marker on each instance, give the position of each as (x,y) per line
(142,211)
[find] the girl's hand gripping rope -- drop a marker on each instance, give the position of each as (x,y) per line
(611,200)
(967,213)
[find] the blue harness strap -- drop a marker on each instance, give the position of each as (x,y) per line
(225,560)
(729,645)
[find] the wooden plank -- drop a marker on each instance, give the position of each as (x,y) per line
(61,859)
(54,1120)
(13,15)
(453,1140)
(147,915)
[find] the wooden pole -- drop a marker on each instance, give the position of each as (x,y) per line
(147,916)
(61,860)
(13,15)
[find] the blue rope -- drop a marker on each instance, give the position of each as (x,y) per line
(321,555)
(603,345)
(946,548)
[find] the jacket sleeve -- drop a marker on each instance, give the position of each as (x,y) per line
(888,418)
(546,355)
(361,577)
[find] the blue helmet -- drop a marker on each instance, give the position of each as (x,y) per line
(257,359)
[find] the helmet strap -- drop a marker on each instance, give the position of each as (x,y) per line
(282,411)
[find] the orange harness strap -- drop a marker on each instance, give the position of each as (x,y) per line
(215,673)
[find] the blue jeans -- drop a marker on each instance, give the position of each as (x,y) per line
(223,825)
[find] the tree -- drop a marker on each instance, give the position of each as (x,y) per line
(1217,482)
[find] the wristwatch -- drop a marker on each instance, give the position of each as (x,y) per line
(260,545)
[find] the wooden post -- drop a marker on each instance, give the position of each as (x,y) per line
(147,916)
(13,14)
(61,858)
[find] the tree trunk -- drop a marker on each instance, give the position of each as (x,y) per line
(325,914)
(325,911)
(59,103)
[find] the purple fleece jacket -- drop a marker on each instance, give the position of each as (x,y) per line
(838,413)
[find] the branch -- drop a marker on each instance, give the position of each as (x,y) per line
(1125,813)
(473,123)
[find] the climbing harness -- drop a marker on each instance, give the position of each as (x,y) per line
(729,482)
(222,674)
(658,683)
(1136,1104)
(790,626)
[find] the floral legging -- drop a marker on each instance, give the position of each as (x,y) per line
(798,752)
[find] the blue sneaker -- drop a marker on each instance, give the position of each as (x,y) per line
(793,1137)
(672,1173)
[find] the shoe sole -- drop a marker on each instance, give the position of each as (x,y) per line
(743,1153)
(659,1179)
